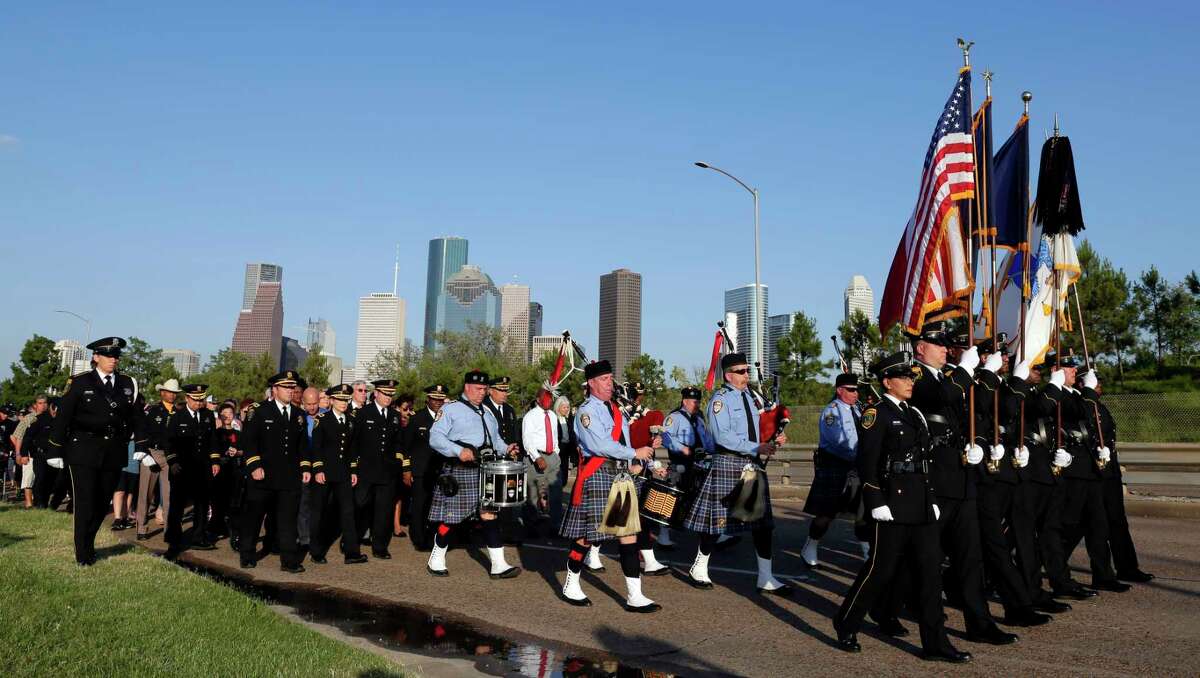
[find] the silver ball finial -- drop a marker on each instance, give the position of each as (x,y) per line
(1026,96)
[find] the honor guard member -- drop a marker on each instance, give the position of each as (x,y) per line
(426,464)
(733,419)
(832,462)
(687,440)
(1083,509)
(464,435)
(335,472)
(273,441)
(603,432)
(378,442)
(940,392)
(192,461)
(98,414)
(995,409)
(893,461)
(151,451)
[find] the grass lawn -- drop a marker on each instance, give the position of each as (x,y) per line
(132,614)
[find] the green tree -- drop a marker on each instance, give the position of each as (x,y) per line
(230,374)
(1108,316)
(146,364)
(651,373)
(36,372)
(315,369)
(800,366)
(1151,292)
(861,339)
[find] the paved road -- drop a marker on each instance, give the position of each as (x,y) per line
(1151,630)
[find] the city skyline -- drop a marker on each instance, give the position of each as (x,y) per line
(620,319)
(381,317)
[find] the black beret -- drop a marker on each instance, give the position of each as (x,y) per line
(476,377)
(733,360)
(689,392)
(597,368)
(846,379)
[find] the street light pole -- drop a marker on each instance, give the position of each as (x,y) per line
(86,322)
(758,309)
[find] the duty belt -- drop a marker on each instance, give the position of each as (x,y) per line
(901,467)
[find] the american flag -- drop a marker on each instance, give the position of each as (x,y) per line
(929,272)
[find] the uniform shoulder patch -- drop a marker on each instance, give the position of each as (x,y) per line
(917,372)
(830,418)
(717,406)
(585,419)
(669,421)
(868,418)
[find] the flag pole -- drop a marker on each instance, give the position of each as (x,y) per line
(965,46)
(1026,97)
(991,233)
(1057,329)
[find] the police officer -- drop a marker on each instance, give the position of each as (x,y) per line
(893,461)
(733,420)
(426,464)
(686,437)
(192,461)
(466,432)
(98,414)
(378,442)
(150,451)
(603,432)
(273,444)
(335,472)
(832,462)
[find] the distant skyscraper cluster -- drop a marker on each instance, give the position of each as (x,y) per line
(186,362)
(740,302)
(320,333)
(620,319)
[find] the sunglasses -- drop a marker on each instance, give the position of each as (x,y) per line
(744,370)
(852,389)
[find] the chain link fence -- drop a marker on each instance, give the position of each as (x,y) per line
(1140,417)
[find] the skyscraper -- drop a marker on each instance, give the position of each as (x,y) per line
(260,329)
(514,321)
(321,333)
(186,362)
(291,354)
(859,297)
(778,326)
(446,257)
(535,325)
(72,356)
(543,344)
(740,300)
(380,328)
(255,274)
(468,298)
(620,319)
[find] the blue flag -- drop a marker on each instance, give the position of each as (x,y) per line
(1010,189)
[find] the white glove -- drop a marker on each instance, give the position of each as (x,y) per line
(974,454)
(57,462)
(1022,456)
(138,456)
(883,514)
(1058,378)
(1090,380)
(147,461)
(994,362)
(1021,371)
(1062,458)
(937,515)
(997,452)
(1105,454)
(969,360)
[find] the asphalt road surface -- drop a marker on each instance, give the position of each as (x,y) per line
(1152,630)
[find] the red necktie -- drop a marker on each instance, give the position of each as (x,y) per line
(549,435)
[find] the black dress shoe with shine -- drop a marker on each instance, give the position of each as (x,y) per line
(248,563)
(1076,592)
(847,642)
(204,546)
(318,559)
(1052,606)
(382,555)
(892,627)
(1025,617)
(947,654)
(292,569)
(1137,576)
(356,559)
(993,636)
(1111,585)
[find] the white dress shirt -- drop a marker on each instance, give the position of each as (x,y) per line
(533,432)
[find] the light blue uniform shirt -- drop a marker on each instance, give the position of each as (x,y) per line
(594,427)
(727,421)
(680,433)
(460,421)
(839,435)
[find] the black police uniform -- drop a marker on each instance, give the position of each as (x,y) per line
(379,455)
(191,447)
(273,443)
(331,453)
(92,430)
(44,475)
(893,463)
(426,467)
(1120,542)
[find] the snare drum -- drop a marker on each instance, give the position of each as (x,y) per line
(659,500)
(501,484)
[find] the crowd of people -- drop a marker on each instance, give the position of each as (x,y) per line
(966,479)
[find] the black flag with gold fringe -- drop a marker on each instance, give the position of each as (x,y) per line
(1058,209)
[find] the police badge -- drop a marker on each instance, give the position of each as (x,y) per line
(868,418)
(585,420)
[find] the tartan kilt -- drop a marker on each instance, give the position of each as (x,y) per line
(584,520)
(708,515)
(827,494)
(463,505)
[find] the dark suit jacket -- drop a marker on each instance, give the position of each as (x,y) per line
(331,448)
(378,445)
(945,399)
(416,444)
(276,445)
(192,442)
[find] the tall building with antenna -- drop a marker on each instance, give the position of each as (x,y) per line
(381,317)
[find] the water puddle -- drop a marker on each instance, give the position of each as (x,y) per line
(409,629)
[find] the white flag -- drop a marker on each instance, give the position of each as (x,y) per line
(1055,269)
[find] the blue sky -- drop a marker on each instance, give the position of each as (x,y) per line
(148,152)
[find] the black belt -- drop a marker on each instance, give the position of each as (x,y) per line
(726,450)
(901,467)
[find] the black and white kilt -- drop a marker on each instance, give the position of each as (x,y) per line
(827,494)
(584,520)
(708,515)
(462,506)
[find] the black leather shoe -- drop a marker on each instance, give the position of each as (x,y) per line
(172,553)
(203,546)
(699,584)
(248,564)
(847,642)
(1052,606)
(1137,576)
(356,559)
(292,569)
(1076,592)
(947,654)
(382,555)
(993,636)
(437,573)
(643,609)
(507,574)
(1025,617)
(582,602)
(657,573)
(892,627)
(784,591)
(235,544)
(1111,585)
(318,559)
